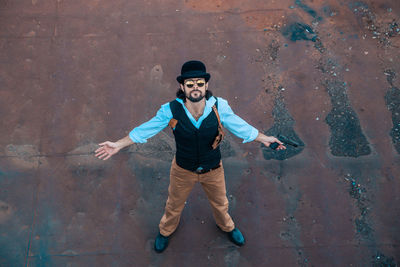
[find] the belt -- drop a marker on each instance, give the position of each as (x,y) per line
(200,170)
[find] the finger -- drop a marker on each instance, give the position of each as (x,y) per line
(103,155)
(106,158)
(100,153)
(99,150)
(278,141)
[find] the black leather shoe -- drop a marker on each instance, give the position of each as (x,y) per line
(236,237)
(161,243)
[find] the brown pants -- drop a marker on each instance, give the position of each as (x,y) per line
(181,184)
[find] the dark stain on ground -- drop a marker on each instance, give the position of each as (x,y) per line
(269,53)
(273,49)
(46,228)
(289,187)
(364,230)
(347,139)
(43,258)
(358,192)
(308,9)
(86,171)
(319,46)
(390,76)
(87,178)
(299,31)
(393,29)
(226,148)
(380,31)
(152,175)
(283,124)
(161,147)
(6,175)
(392,99)
(380,260)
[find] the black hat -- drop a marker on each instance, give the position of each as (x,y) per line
(193,69)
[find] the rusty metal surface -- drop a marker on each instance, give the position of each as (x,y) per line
(74,73)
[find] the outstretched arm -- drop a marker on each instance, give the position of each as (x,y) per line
(139,134)
(241,128)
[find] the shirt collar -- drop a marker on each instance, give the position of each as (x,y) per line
(207,110)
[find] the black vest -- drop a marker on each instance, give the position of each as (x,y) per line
(193,146)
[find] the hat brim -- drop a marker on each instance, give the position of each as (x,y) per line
(195,74)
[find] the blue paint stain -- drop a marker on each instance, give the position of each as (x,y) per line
(392,99)
(299,31)
(8,175)
(46,231)
(12,247)
(379,259)
(43,258)
(308,9)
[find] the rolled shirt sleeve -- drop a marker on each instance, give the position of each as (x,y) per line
(152,127)
(234,123)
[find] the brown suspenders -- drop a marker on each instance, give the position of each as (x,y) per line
(221,134)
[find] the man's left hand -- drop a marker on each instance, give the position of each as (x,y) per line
(268,140)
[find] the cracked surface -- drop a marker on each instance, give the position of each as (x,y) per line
(77,73)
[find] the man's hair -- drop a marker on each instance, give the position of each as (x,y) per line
(180,94)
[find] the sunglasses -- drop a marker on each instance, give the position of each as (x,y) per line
(190,83)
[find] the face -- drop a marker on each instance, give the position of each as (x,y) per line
(194,89)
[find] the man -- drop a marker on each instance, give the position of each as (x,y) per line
(195,118)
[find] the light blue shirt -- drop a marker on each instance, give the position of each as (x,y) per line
(229,120)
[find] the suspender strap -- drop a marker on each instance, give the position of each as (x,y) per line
(176,110)
(221,134)
(216,113)
(172,123)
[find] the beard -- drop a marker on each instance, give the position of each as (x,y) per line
(195,99)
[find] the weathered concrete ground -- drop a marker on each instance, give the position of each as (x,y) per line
(324,73)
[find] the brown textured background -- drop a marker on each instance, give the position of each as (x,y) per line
(75,73)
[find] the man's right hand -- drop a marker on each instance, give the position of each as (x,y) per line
(106,150)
